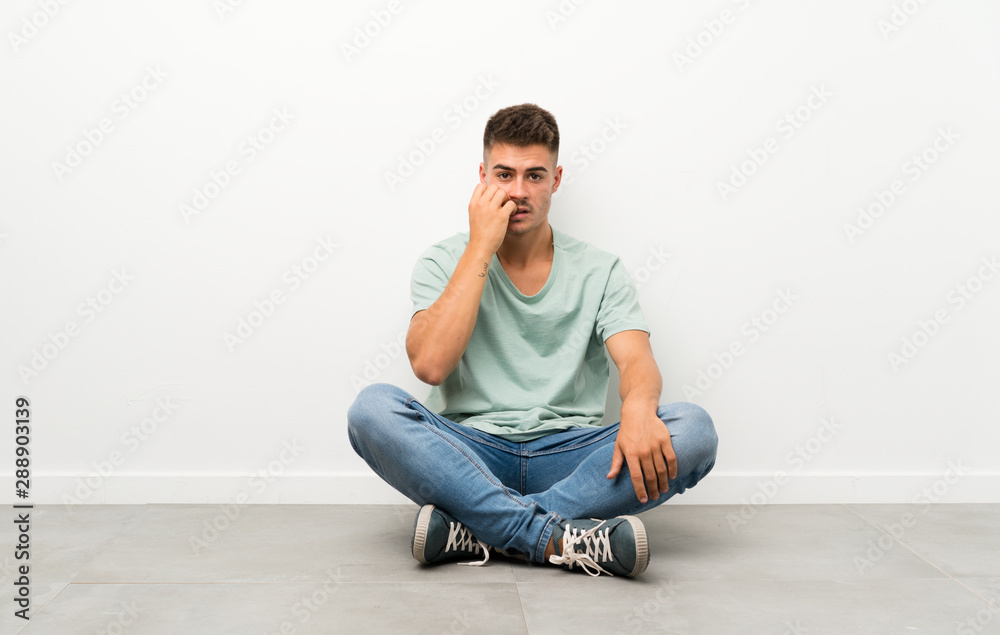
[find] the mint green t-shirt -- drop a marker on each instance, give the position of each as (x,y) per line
(534,364)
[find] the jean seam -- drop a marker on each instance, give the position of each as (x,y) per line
(523,459)
(543,540)
(459,430)
(472,460)
(570,448)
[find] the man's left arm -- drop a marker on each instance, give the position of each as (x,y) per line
(643,441)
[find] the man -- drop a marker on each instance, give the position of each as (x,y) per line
(510,325)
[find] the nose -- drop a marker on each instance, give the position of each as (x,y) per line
(516,189)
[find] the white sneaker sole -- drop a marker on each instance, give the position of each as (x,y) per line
(420,532)
(641,545)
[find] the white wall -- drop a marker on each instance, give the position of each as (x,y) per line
(674,129)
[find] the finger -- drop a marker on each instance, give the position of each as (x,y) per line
(635,470)
(649,474)
(616,462)
(661,472)
(671,456)
(478,192)
(510,207)
(498,199)
(488,193)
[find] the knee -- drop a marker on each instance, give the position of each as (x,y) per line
(700,429)
(371,406)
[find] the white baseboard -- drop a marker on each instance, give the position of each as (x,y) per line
(719,488)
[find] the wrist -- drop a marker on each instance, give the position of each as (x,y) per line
(639,407)
(479,251)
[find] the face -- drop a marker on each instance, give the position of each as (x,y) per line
(529,176)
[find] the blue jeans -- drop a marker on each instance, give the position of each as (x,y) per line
(510,494)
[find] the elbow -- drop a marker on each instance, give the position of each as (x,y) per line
(427,370)
(426,362)
(428,374)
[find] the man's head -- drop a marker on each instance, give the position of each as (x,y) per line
(522,126)
(520,153)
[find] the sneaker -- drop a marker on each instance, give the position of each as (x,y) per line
(615,547)
(438,537)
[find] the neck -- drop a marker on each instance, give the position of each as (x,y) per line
(526,249)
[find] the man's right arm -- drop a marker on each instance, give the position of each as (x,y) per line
(437,337)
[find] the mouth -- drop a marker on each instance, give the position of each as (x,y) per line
(520,213)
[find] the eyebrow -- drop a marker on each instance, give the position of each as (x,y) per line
(505,168)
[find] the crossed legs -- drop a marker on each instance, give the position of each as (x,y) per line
(510,495)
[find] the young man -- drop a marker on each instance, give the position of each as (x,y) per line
(510,325)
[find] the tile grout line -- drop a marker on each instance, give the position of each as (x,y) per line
(520,601)
(275,583)
(908,548)
(44,606)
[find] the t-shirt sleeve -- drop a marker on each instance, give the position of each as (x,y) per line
(430,276)
(620,310)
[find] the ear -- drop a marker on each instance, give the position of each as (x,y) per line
(482,173)
(557,180)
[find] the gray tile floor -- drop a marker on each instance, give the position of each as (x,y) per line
(284,569)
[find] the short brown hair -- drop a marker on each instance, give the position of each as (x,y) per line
(523,125)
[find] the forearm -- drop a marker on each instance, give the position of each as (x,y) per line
(438,337)
(640,386)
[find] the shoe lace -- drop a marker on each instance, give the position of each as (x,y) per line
(461,539)
(596,546)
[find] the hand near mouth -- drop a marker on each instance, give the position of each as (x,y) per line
(489,212)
